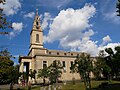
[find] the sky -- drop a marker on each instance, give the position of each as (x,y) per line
(70,25)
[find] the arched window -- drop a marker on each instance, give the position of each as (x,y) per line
(37,37)
(37,23)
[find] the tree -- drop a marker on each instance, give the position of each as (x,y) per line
(110,60)
(6,67)
(55,71)
(32,73)
(100,66)
(113,60)
(118,8)
(43,73)
(117,57)
(3,21)
(116,61)
(83,65)
(15,74)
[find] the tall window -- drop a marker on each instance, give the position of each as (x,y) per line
(63,62)
(37,37)
(44,64)
(71,63)
(64,66)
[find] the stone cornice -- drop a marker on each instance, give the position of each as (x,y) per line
(35,30)
(49,55)
(24,57)
(36,44)
(37,48)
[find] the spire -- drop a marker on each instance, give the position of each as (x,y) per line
(36,12)
(36,22)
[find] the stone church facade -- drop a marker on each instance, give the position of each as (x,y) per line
(38,56)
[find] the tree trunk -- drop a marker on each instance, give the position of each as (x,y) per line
(84,80)
(87,81)
(43,81)
(85,84)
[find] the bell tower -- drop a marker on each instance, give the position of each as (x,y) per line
(36,36)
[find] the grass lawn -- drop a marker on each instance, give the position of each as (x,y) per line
(114,85)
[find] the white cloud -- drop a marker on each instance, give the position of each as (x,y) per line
(46,18)
(17,28)
(109,45)
(29,15)
(69,22)
(90,47)
(112,16)
(106,40)
(11,7)
(73,29)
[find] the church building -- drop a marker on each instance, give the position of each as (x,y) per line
(38,57)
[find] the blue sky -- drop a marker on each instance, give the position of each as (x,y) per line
(71,25)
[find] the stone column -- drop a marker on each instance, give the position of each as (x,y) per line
(21,67)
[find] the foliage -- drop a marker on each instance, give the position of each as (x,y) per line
(83,65)
(3,21)
(15,74)
(113,60)
(32,73)
(108,65)
(100,66)
(55,71)
(109,51)
(6,67)
(43,73)
(118,8)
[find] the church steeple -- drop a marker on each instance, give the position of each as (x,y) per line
(36,23)
(36,35)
